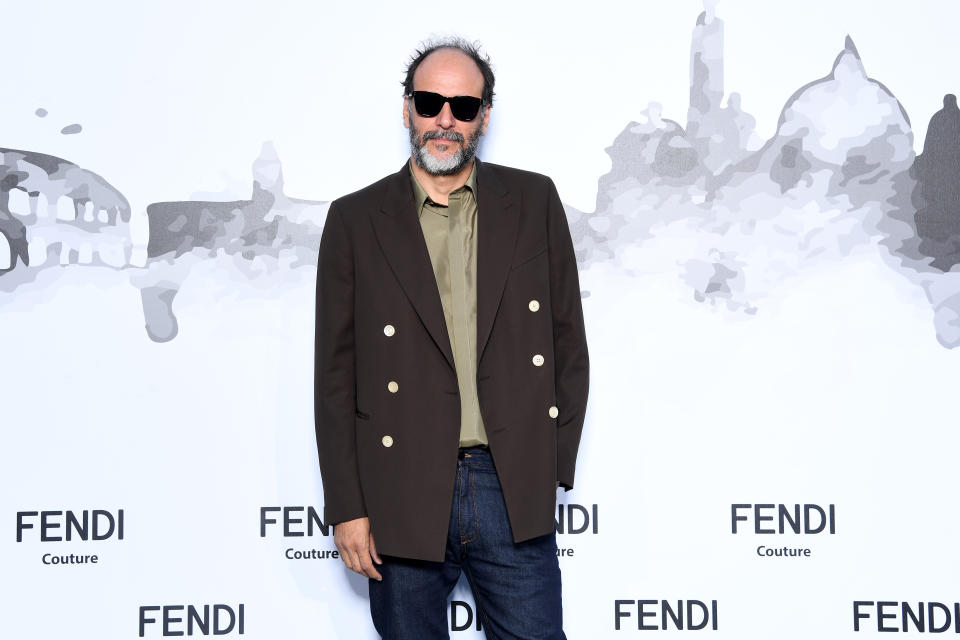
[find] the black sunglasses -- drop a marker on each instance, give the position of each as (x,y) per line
(429,104)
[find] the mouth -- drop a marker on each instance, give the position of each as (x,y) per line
(439,138)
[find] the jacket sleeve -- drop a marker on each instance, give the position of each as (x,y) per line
(572,364)
(334,374)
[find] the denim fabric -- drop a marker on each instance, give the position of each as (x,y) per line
(516,587)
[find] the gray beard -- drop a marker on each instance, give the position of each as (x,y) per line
(455,162)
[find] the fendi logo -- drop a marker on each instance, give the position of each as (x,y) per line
(662,615)
(575,519)
(89,525)
(297,522)
(190,620)
(60,526)
(893,617)
(780,519)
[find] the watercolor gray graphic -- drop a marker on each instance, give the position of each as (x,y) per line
(708,202)
(52,211)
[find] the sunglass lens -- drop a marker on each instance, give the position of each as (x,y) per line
(428,104)
(465,108)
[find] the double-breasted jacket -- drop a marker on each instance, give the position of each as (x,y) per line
(387,407)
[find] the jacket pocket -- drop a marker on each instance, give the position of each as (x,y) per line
(526,256)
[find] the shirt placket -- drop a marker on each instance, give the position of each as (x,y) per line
(459,245)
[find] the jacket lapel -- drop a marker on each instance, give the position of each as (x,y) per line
(497,222)
(401,239)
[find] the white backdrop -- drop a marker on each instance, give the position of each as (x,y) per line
(769,324)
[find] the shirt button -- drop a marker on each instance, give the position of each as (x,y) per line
(553,412)
(538,360)
(389,330)
(393,387)
(534,305)
(387,441)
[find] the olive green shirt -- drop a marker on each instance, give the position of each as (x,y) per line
(451,235)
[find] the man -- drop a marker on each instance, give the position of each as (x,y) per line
(451,370)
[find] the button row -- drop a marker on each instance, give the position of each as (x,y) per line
(535,306)
(389,330)
(387,441)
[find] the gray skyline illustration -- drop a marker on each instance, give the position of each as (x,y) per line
(709,202)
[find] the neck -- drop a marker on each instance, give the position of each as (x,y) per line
(440,187)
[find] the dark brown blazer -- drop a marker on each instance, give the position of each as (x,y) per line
(392,455)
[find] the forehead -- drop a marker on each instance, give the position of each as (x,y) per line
(450,72)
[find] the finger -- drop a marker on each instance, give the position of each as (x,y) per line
(366,555)
(369,570)
(373,551)
(353,558)
(350,559)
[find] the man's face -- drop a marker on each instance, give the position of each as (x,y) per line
(443,145)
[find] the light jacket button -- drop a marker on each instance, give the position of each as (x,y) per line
(387,441)
(534,305)
(554,412)
(392,386)
(389,330)
(538,360)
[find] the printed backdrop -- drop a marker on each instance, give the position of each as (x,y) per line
(765,205)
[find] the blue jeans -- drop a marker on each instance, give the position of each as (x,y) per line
(516,586)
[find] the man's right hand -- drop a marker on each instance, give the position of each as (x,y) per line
(355,542)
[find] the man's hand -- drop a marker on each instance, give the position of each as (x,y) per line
(355,542)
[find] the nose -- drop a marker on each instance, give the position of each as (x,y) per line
(445,118)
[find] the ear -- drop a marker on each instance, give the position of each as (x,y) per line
(406,112)
(486,118)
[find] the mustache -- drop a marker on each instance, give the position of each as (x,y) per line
(441,135)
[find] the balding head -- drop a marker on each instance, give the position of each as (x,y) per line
(451,46)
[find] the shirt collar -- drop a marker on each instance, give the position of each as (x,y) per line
(421,197)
